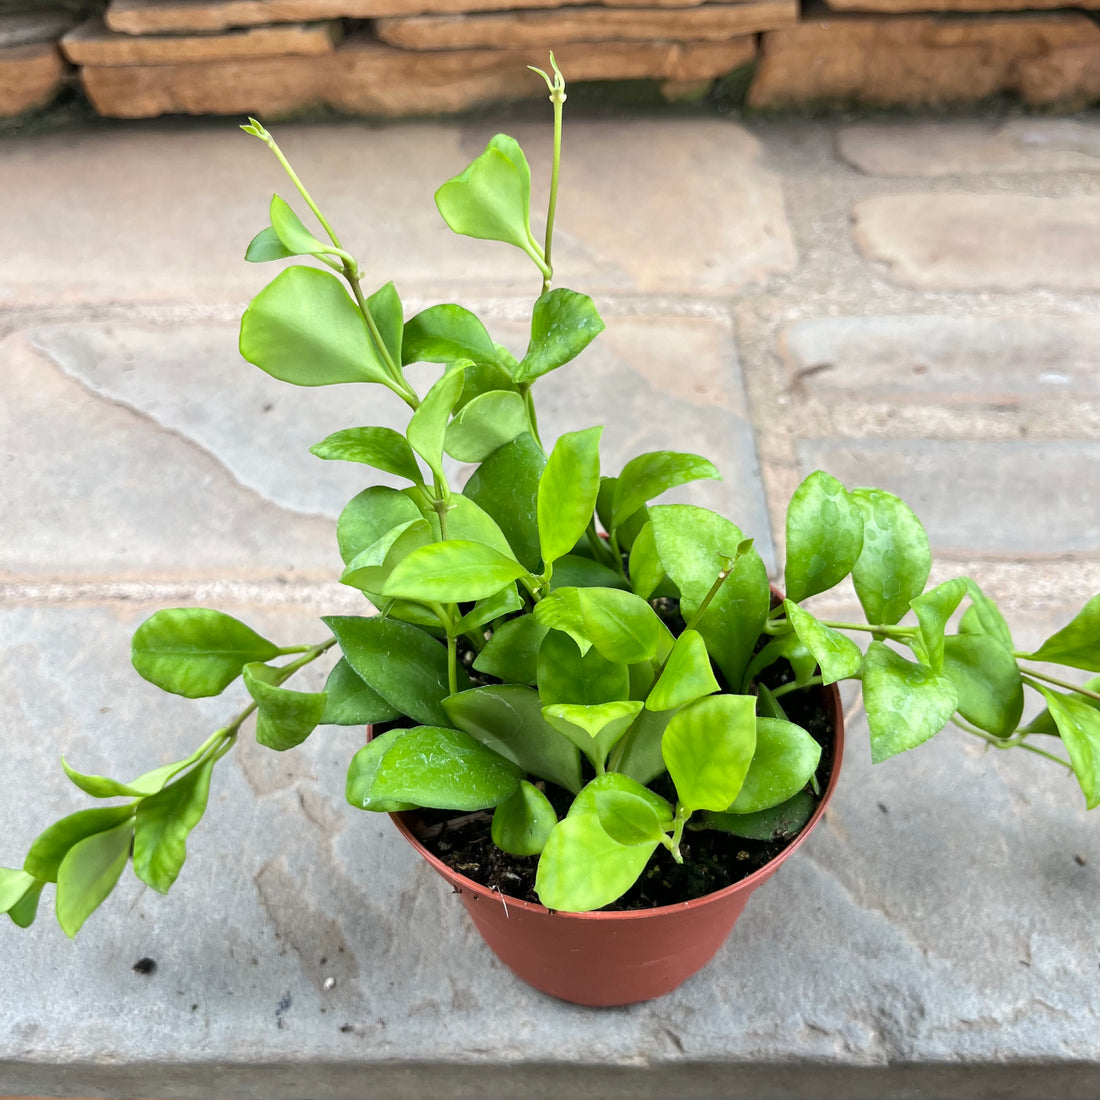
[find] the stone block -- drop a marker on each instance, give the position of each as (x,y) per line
(1015,499)
(30,76)
(93,44)
(895,7)
(927,60)
(945,359)
(550,29)
(27,28)
(965,240)
(949,148)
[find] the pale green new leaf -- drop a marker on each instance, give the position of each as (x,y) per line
(292,234)
(428,425)
(88,873)
(933,610)
(266,246)
(522,823)
(285,718)
(623,627)
(14,883)
(485,424)
(563,324)
(836,654)
(593,728)
(452,572)
(567,492)
(52,845)
(649,475)
(687,674)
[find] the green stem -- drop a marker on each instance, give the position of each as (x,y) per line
(532,417)
(1000,743)
(398,383)
(452,664)
(557,98)
(794,685)
(899,632)
(701,609)
(1086,692)
(672,843)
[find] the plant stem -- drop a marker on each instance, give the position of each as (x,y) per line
(452,663)
(400,386)
(557,98)
(1000,743)
(1086,692)
(899,632)
(532,417)
(672,843)
(794,685)
(701,609)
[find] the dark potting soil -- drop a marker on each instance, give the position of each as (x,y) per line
(712,860)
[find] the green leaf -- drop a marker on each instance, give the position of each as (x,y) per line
(505,486)
(837,655)
(574,571)
(291,233)
(485,424)
(567,492)
(984,617)
(638,754)
(522,823)
(370,569)
(507,718)
(359,789)
(587,802)
(285,718)
(368,516)
(466,520)
(407,667)
(594,728)
(566,675)
(895,561)
(650,475)
(786,758)
(790,648)
(428,425)
(351,702)
(446,334)
(646,572)
(906,703)
(25,910)
(490,199)
(987,679)
(196,651)
(452,572)
(100,786)
(384,306)
(1078,643)
(51,846)
(824,536)
(781,822)
(266,246)
(628,818)
(1079,726)
(1044,723)
(563,324)
(708,748)
(382,448)
(445,769)
(621,626)
(303,328)
(934,610)
(14,883)
(694,546)
(492,607)
(88,873)
(687,674)
(511,654)
(163,824)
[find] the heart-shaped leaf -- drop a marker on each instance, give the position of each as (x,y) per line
(593,728)
(563,324)
(785,759)
(687,675)
(987,679)
(522,823)
(824,536)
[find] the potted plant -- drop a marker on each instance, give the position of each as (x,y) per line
(578,698)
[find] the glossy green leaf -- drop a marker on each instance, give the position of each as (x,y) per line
(490,199)
(687,674)
(163,824)
(586,801)
(359,788)
(196,651)
(594,728)
(563,324)
(52,845)
(303,328)
(786,758)
(620,625)
(507,718)
(933,610)
(351,702)
(14,883)
(984,617)
(466,520)
(1078,643)
(987,679)
(1044,723)
(285,718)
(781,822)
(1079,726)
(445,769)
(574,571)
(824,536)
(638,754)
(452,571)
(384,306)
(292,234)
(88,873)
(694,546)
(370,569)
(646,572)
(522,823)
(382,448)
(511,654)
(895,561)
(25,910)
(650,475)
(836,654)
(567,492)
(566,675)
(628,818)
(428,425)
(485,424)
(708,747)
(407,667)
(505,486)
(906,703)
(266,246)
(446,334)
(492,607)
(369,515)
(100,786)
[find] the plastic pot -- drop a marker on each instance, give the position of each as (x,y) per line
(607,958)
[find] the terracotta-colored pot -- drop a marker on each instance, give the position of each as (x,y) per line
(615,958)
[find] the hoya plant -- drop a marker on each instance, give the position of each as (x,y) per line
(593,672)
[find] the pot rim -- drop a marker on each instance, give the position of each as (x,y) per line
(833,705)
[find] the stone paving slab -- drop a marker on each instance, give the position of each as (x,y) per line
(1018,146)
(286,886)
(727,228)
(1000,241)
